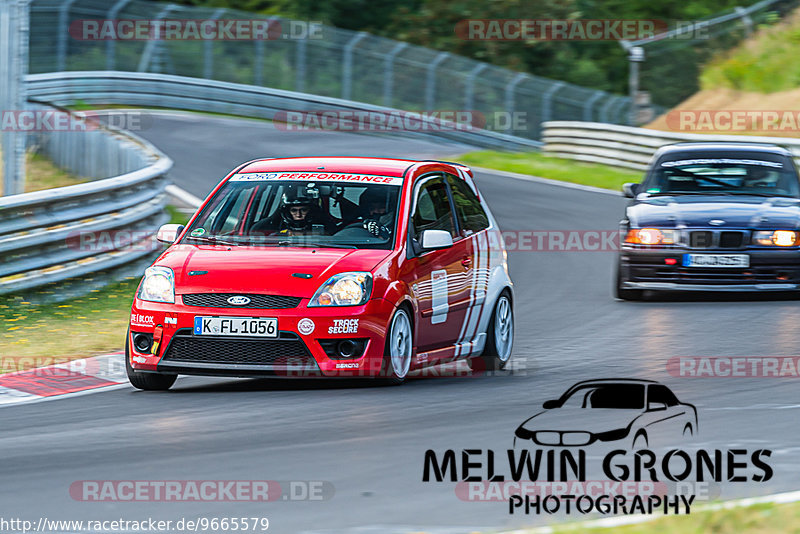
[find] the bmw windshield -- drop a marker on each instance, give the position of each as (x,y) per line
(739,174)
(270,212)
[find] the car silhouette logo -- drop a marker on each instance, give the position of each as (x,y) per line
(239,300)
(638,412)
(716,222)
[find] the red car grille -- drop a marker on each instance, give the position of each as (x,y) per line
(288,349)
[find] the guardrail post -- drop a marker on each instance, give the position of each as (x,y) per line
(63,31)
(388,73)
(153,44)
(604,110)
(111,44)
(589,104)
(509,100)
(300,65)
(469,87)
(208,50)
(258,58)
(347,64)
(746,20)
(547,101)
(14,28)
(430,86)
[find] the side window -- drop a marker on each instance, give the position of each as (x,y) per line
(661,394)
(471,217)
(432,210)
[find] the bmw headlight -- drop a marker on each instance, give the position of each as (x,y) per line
(344,289)
(158,285)
(652,236)
(777,238)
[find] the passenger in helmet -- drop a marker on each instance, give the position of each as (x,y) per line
(377,219)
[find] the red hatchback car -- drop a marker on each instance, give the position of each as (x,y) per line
(334,266)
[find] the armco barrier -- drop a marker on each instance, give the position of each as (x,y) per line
(625,146)
(35,227)
(197,94)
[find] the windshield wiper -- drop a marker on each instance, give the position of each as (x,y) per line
(212,240)
(315,245)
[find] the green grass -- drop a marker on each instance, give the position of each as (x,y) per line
(765,63)
(34,335)
(41,173)
(756,519)
(565,170)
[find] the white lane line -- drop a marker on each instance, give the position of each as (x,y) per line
(618,521)
(184,196)
(548,181)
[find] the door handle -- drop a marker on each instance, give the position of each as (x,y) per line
(466,262)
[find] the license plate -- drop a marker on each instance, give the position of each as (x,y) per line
(236,326)
(716,260)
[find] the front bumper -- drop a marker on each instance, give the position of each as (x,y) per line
(296,352)
(769,270)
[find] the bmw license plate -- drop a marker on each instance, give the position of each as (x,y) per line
(236,326)
(729,261)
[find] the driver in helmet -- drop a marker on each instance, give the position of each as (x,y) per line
(296,213)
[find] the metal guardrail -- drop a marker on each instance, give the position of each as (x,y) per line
(41,232)
(198,94)
(625,146)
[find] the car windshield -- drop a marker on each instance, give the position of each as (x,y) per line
(274,212)
(741,175)
(619,396)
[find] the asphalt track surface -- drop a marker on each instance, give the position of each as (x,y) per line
(369,441)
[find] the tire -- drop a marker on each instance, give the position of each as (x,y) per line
(499,338)
(399,348)
(622,293)
(146,381)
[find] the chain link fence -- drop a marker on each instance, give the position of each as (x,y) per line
(318,60)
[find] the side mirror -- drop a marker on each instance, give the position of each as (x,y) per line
(436,239)
(656,406)
(630,190)
(549,405)
(168,233)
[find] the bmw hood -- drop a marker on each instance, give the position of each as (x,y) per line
(593,420)
(694,211)
(265,270)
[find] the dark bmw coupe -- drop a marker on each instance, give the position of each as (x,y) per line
(712,217)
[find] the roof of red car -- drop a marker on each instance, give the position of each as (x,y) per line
(374,166)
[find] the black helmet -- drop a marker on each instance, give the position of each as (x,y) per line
(296,198)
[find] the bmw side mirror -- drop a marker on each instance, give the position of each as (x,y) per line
(630,190)
(436,239)
(549,405)
(656,406)
(168,233)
